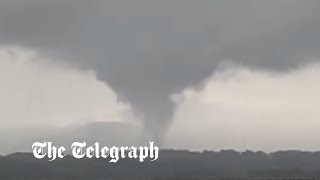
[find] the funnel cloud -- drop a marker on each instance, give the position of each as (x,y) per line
(145,51)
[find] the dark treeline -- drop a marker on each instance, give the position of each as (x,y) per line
(171,164)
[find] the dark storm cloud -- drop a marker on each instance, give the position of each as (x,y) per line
(147,50)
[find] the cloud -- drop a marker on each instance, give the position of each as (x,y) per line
(37,91)
(146,50)
(242,108)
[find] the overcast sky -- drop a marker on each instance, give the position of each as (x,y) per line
(193,74)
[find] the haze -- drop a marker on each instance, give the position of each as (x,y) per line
(187,74)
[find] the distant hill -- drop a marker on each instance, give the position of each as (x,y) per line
(172,164)
(108,133)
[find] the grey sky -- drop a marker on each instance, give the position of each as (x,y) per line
(148,50)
